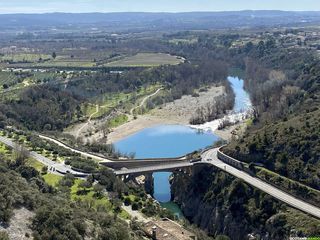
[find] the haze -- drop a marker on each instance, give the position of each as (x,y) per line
(40,6)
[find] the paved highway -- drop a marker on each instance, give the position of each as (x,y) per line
(210,157)
(53,167)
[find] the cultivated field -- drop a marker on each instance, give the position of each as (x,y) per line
(146,60)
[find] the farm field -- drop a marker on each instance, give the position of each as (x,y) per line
(66,63)
(146,60)
(23,57)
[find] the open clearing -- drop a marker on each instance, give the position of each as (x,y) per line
(146,59)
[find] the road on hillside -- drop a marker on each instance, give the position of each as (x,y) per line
(82,153)
(210,157)
(53,167)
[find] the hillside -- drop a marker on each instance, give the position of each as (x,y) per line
(284,136)
(222,204)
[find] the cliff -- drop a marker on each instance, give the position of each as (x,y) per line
(220,204)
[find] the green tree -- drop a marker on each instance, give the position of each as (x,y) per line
(84,185)
(127,201)
(44,170)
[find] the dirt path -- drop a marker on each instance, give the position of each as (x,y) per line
(144,101)
(135,214)
(130,116)
(89,121)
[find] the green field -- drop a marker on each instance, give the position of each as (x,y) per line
(35,164)
(146,60)
(52,179)
(118,121)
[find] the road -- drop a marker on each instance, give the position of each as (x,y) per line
(210,157)
(84,154)
(156,168)
(53,167)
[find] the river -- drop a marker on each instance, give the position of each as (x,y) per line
(174,141)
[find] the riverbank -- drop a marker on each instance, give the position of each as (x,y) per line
(148,121)
(178,112)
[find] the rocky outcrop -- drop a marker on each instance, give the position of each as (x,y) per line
(220,204)
(191,194)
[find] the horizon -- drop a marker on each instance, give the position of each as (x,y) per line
(164,12)
(161,6)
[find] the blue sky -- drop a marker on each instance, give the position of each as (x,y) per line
(40,6)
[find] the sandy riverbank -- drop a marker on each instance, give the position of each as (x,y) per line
(178,112)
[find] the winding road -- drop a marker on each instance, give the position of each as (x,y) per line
(208,157)
(87,123)
(82,153)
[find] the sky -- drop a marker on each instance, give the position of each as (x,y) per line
(41,6)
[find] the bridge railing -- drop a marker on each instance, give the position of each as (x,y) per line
(231,161)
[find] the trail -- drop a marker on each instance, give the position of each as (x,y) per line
(130,117)
(144,101)
(89,121)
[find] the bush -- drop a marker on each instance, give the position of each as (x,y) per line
(135,206)
(127,201)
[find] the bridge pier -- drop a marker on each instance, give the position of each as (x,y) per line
(149,183)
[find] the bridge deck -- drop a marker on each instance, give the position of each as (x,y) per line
(155,168)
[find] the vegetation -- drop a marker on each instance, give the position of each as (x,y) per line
(221,204)
(53,80)
(58,209)
(284,136)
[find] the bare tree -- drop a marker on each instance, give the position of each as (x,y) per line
(21,154)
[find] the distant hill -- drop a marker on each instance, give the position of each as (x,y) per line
(159,21)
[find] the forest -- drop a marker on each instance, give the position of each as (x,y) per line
(285,89)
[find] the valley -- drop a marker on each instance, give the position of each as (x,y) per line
(211,131)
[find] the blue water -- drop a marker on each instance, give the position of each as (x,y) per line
(161,142)
(242,98)
(175,140)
